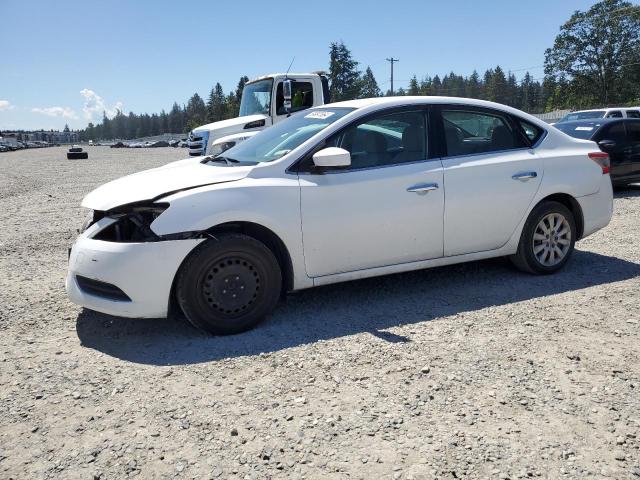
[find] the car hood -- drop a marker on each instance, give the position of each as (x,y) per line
(226,127)
(159,182)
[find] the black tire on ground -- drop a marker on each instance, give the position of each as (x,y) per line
(228,284)
(75,149)
(77,155)
(526,259)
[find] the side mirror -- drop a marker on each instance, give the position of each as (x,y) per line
(332,157)
(286,92)
(606,145)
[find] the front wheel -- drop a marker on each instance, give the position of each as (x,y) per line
(229,284)
(547,239)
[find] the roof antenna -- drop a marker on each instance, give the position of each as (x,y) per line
(287,73)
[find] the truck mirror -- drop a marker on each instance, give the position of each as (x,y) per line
(286,92)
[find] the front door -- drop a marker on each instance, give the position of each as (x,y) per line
(385,209)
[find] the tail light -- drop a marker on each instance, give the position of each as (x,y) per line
(602,159)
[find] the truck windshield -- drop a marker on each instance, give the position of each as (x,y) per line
(572,117)
(277,141)
(256,98)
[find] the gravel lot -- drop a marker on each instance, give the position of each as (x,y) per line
(470,371)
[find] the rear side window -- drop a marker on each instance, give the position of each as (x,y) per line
(633,114)
(532,132)
(469,132)
(615,132)
(633,132)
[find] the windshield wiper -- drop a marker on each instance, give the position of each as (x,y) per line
(225,160)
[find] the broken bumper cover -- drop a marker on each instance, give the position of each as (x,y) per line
(143,272)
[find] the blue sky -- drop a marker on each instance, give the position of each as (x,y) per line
(66,61)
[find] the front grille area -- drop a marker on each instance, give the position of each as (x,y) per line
(198,143)
(101,289)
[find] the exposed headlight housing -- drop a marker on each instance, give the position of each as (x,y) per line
(132,223)
(87,222)
(255,124)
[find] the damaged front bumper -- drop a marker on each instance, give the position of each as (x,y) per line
(131,279)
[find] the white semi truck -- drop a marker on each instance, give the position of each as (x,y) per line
(265,101)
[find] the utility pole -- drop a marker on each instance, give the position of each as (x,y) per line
(391,60)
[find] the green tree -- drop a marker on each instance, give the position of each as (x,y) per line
(368,85)
(216,104)
(344,77)
(414,88)
(176,123)
(196,112)
(596,50)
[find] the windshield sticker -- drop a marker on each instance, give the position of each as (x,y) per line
(319,115)
(586,129)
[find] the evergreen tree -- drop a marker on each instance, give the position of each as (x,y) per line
(176,124)
(414,88)
(368,85)
(344,77)
(196,112)
(216,104)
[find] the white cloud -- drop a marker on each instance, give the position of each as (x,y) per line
(64,112)
(6,105)
(94,104)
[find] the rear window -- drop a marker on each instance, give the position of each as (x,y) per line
(583,131)
(532,132)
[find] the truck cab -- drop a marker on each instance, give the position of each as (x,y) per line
(265,101)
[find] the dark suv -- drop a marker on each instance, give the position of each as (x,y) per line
(620,138)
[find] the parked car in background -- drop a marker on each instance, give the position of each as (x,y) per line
(335,193)
(601,113)
(620,138)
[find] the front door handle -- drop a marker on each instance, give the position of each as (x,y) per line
(423,188)
(524,176)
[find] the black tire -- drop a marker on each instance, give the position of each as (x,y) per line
(228,284)
(525,258)
(75,149)
(77,155)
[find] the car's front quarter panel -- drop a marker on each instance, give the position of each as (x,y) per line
(273,203)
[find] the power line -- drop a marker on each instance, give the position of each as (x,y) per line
(392,60)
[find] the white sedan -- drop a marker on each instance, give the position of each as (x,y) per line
(339,192)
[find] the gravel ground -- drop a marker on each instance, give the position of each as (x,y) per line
(470,371)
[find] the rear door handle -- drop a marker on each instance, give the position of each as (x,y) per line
(423,188)
(524,176)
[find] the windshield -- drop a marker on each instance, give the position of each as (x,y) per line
(256,98)
(570,117)
(581,130)
(277,141)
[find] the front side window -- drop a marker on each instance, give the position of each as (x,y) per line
(633,131)
(275,142)
(615,114)
(616,133)
(301,97)
(256,98)
(386,139)
(469,132)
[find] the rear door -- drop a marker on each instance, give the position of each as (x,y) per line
(490,175)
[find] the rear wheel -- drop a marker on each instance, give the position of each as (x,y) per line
(547,240)
(228,285)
